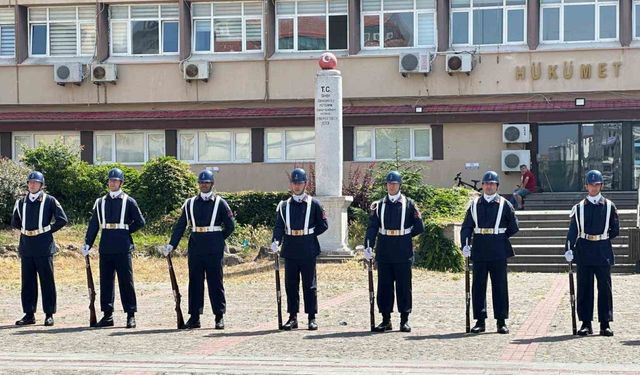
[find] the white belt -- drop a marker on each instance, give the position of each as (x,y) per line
(594,237)
(299,232)
(489,230)
(216,228)
(115,226)
(35,232)
(395,232)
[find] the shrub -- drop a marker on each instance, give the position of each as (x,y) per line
(12,185)
(254,208)
(359,185)
(436,252)
(163,186)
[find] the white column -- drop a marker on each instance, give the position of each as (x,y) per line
(329,163)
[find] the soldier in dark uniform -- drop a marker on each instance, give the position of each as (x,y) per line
(394,221)
(487,227)
(118,216)
(594,223)
(211,222)
(38,215)
(299,221)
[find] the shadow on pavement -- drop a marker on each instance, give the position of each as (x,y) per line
(445,336)
(59,330)
(631,342)
(245,334)
(340,335)
(145,332)
(545,339)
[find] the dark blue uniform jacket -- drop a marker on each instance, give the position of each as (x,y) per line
(300,247)
(115,241)
(40,245)
(593,253)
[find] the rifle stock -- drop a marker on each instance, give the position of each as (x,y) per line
(467,293)
(572,297)
(372,298)
(278,290)
(176,293)
(92,293)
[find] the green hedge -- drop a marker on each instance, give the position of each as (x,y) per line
(255,208)
(13,177)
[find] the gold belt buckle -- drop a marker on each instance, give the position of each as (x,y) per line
(298,232)
(200,229)
(393,232)
(486,231)
(110,226)
(593,237)
(31,233)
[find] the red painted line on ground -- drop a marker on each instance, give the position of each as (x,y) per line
(522,348)
(222,343)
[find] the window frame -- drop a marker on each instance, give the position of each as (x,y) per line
(32,135)
(113,134)
(244,18)
(505,24)
(4,25)
(47,23)
(380,13)
(597,4)
(412,129)
(295,17)
(283,137)
(160,19)
(634,21)
(232,150)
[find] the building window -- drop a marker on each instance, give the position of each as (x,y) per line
(290,145)
(315,25)
(578,20)
(23,141)
(398,23)
(131,147)
(144,29)
(62,31)
(488,22)
(227,26)
(381,143)
(7,32)
(219,146)
(636,22)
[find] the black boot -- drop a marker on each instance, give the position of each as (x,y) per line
(585,329)
(193,322)
(292,323)
(106,321)
(313,326)
(385,325)
(48,321)
(27,319)
(605,330)
(404,322)
(219,321)
(131,320)
(502,326)
(479,327)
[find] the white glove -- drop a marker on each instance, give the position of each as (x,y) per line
(568,255)
(166,249)
(274,247)
(368,253)
(466,251)
(86,249)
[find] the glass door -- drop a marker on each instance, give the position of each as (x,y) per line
(602,150)
(559,166)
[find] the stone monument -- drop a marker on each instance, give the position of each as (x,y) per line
(329,159)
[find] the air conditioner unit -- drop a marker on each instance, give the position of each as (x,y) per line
(516,133)
(459,63)
(101,73)
(68,73)
(513,159)
(414,63)
(196,70)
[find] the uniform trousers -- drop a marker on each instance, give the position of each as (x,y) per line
(32,269)
(294,270)
(497,270)
(584,299)
(203,267)
(400,275)
(110,265)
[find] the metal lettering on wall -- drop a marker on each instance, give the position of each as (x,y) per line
(568,70)
(326,106)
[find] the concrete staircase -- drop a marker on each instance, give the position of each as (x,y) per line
(566,200)
(539,246)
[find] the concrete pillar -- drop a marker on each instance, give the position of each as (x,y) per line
(329,159)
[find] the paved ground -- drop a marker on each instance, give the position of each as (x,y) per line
(540,340)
